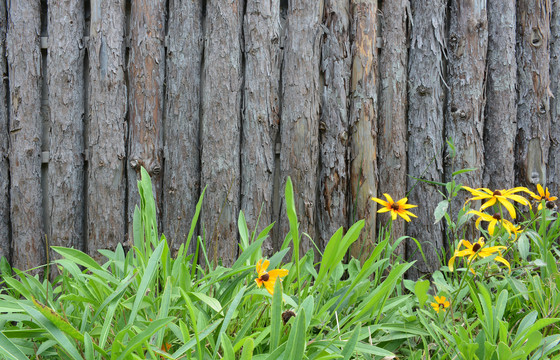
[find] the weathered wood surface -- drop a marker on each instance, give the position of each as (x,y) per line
(181,181)
(261,117)
(554,154)
(425,128)
(65,81)
(500,126)
(464,116)
(299,129)
(392,137)
(24,69)
(4,150)
(146,76)
(363,123)
(336,57)
(533,112)
(221,127)
(106,132)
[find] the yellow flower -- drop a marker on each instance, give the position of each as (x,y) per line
(477,250)
(499,196)
(268,278)
(544,194)
(513,230)
(493,220)
(440,304)
(396,208)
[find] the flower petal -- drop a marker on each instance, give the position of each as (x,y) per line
(382,202)
(508,206)
(487,204)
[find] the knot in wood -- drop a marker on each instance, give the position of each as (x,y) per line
(156,170)
(462,114)
(135,164)
(536,38)
(344,137)
(422,90)
(453,39)
(322,126)
(542,109)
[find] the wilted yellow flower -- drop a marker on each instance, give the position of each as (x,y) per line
(440,304)
(499,196)
(268,278)
(477,250)
(396,208)
(544,194)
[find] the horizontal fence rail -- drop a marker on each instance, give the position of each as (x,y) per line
(351,99)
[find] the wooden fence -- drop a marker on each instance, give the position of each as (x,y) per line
(346,97)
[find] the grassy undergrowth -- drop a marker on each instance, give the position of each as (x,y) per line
(148,304)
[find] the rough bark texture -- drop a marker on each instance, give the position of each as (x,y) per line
(24,62)
(425,128)
(107,127)
(533,115)
(500,125)
(221,112)
(554,154)
(4,150)
(392,143)
(260,112)
(181,181)
(363,123)
(300,114)
(464,117)
(146,75)
(335,66)
(65,70)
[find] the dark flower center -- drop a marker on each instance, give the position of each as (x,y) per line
(441,305)
(265,277)
(497,217)
(497,193)
(395,206)
(286,315)
(550,205)
(476,247)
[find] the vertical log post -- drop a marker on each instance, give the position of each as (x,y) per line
(464,117)
(554,154)
(363,123)
(221,121)
(299,128)
(533,113)
(260,112)
(181,181)
(392,143)
(4,150)
(336,58)
(146,75)
(425,123)
(106,127)
(24,69)
(65,79)
(500,126)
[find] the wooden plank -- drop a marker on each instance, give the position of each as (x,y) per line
(392,141)
(4,137)
(221,108)
(425,121)
(106,127)
(336,58)
(260,112)
(501,107)
(181,182)
(533,78)
(146,76)
(464,116)
(65,81)
(299,129)
(363,123)
(554,154)
(24,69)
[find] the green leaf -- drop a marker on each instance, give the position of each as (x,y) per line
(421,290)
(276,316)
(203,335)
(144,335)
(248,347)
(462,171)
(210,301)
(295,346)
(88,346)
(9,350)
(229,315)
(351,344)
(292,216)
(245,255)
(227,348)
(441,210)
(78,257)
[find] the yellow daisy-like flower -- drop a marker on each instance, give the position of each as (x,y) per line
(268,278)
(544,194)
(501,197)
(477,250)
(493,220)
(513,230)
(396,208)
(440,304)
